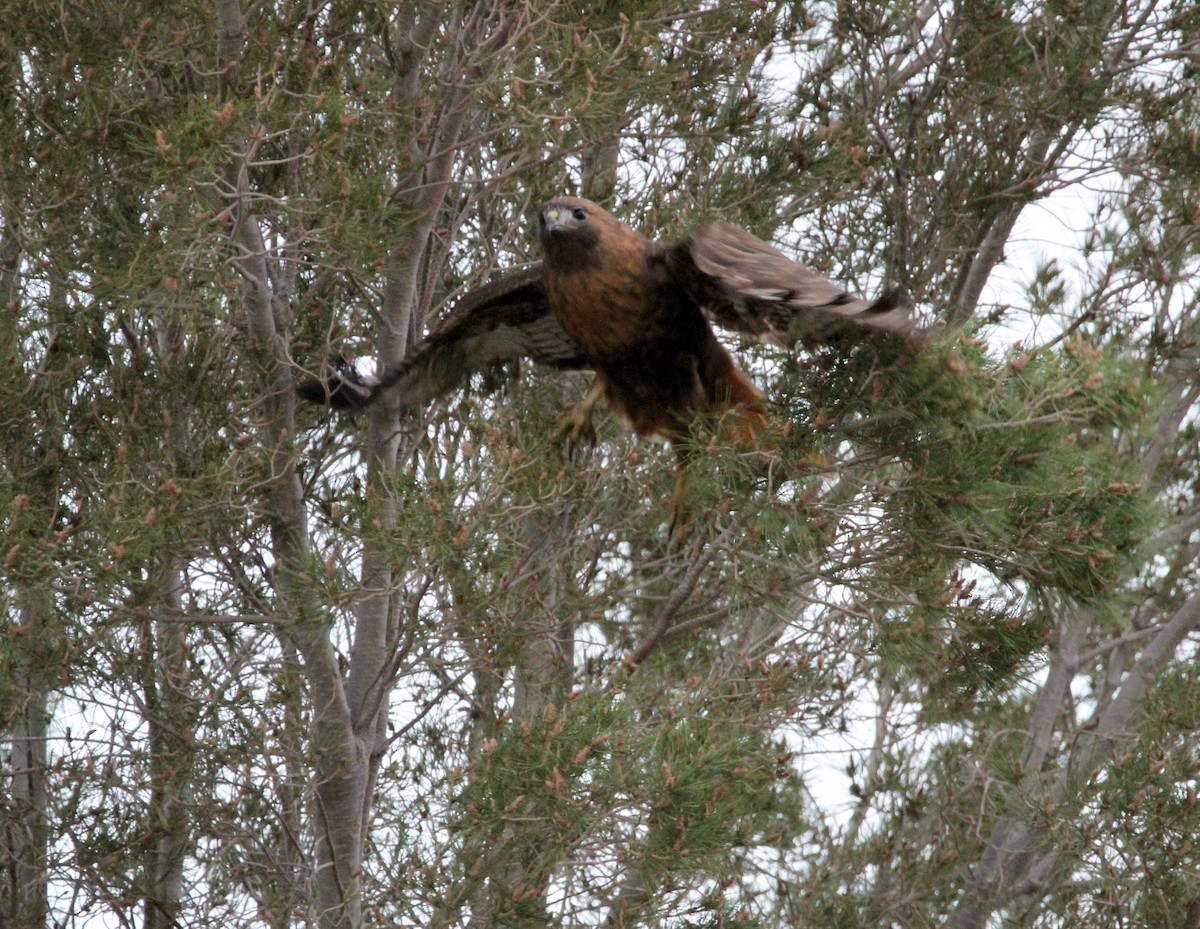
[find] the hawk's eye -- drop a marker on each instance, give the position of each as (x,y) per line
(579,213)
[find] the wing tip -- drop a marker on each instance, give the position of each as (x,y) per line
(340,387)
(892,299)
(903,323)
(893,312)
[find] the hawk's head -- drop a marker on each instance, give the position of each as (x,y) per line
(576,233)
(566,216)
(570,229)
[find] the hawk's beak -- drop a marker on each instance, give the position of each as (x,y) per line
(551,219)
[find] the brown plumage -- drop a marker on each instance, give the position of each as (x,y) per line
(638,313)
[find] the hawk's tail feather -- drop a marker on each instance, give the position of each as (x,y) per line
(746,403)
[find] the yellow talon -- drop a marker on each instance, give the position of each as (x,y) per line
(577,429)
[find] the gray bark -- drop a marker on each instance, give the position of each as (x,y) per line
(23,892)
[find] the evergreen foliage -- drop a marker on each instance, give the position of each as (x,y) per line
(926,658)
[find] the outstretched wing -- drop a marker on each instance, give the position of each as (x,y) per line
(506,318)
(743,284)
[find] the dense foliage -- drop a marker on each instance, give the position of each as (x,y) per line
(926,657)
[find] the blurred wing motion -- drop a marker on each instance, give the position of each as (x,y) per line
(743,284)
(637,311)
(507,318)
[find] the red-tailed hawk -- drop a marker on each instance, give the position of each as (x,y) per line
(637,312)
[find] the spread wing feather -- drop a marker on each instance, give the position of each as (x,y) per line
(507,318)
(745,285)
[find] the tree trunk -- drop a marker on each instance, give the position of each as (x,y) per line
(23,889)
(171,712)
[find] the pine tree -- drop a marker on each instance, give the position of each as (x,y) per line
(925,658)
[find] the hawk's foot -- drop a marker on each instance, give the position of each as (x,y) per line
(578,433)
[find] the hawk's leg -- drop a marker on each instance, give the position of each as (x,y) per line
(577,429)
(681,509)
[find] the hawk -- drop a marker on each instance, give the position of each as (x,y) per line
(637,312)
